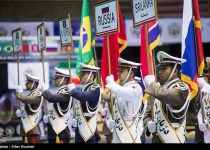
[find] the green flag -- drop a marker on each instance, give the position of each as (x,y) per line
(86,42)
(7,49)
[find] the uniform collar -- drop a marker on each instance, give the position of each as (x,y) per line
(170,82)
(130,82)
(86,85)
(62,87)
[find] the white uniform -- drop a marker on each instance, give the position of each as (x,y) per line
(129,96)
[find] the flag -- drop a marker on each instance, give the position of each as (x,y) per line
(115,50)
(7,49)
(197,23)
(34,48)
(153,40)
(52,49)
(189,69)
(86,42)
(25,48)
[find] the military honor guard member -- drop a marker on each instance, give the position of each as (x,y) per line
(31,105)
(204,119)
(87,101)
(171,101)
(128,100)
(58,115)
(199,135)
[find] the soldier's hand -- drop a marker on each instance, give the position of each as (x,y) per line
(109,79)
(74,122)
(149,79)
(71,87)
(18,113)
(152,126)
(103,112)
(19,89)
(111,124)
(202,127)
(46,119)
(44,87)
(201,82)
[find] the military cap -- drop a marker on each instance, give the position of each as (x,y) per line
(84,67)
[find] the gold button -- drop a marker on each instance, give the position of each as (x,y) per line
(196,124)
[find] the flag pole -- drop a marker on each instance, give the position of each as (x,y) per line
(96,64)
(70,78)
(148,67)
(18,72)
(109,68)
(45,101)
(199,46)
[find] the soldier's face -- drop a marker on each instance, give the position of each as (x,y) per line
(122,73)
(83,77)
(28,84)
(164,73)
(57,80)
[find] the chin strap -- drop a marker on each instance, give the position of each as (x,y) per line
(88,77)
(32,85)
(61,81)
(128,75)
(171,73)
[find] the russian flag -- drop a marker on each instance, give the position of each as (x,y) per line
(189,69)
(53,49)
(105,10)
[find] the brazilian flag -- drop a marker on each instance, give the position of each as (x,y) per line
(86,42)
(6,49)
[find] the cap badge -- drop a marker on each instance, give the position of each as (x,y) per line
(161,58)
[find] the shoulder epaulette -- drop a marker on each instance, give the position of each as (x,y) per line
(93,87)
(180,86)
(63,91)
(36,93)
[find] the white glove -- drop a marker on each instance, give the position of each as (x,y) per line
(71,87)
(203,127)
(44,87)
(103,112)
(74,122)
(111,124)
(152,126)
(18,113)
(206,88)
(149,79)
(46,119)
(201,82)
(109,79)
(19,89)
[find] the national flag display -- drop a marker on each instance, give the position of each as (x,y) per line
(64,24)
(199,44)
(25,48)
(153,40)
(105,10)
(115,50)
(189,69)
(86,41)
(34,48)
(7,49)
(52,49)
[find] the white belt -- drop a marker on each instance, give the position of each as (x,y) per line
(175,125)
(87,114)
